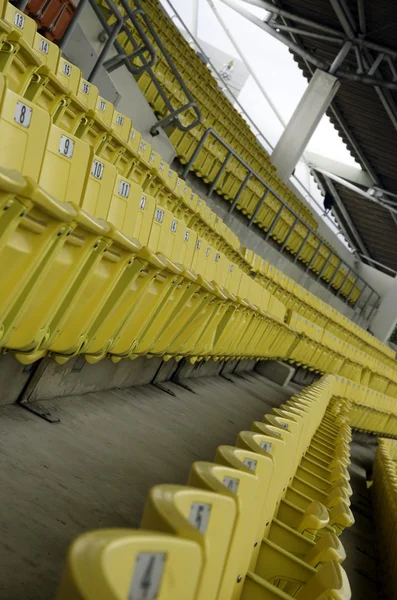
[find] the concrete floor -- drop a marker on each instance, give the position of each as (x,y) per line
(94,468)
(360,540)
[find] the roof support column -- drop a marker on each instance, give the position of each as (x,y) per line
(313,104)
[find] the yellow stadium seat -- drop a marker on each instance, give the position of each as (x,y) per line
(198,515)
(243,487)
(110,564)
(23,130)
(33,230)
(18,60)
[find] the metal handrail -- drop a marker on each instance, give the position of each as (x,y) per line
(284,206)
(255,127)
(112,31)
(191,103)
(121,25)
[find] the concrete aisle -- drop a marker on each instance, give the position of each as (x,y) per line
(360,540)
(94,468)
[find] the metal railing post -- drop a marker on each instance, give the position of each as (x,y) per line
(219,174)
(372,310)
(240,191)
(367,300)
(343,282)
(291,231)
(313,258)
(302,245)
(275,221)
(335,274)
(352,290)
(361,293)
(196,152)
(191,103)
(258,207)
(22,4)
(104,52)
(325,265)
(117,61)
(72,24)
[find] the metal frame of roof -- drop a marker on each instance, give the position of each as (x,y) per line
(356,41)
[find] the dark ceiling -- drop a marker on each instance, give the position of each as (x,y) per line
(360,117)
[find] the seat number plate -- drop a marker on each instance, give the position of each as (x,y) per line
(159,215)
(97,169)
(124,189)
(66,146)
(44,46)
(199,516)
(85,88)
(266,446)
(231,484)
(22,114)
(19,20)
(148,572)
(251,464)
(67,69)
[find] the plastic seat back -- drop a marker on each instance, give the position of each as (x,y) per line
(111,564)
(329,582)
(278,448)
(23,132)
(18,60)
(242,487)
(201,516)
(262,467)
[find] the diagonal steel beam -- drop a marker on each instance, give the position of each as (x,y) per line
(345,17)
(346,216)
(361,16)
(320,64)
(279,12)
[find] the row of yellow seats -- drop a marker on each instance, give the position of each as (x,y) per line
(72,284)
(60,132)
(208,164)
(227,118)
(262,521)
(352,363)
(290,292)
(295,297)
(328,273)
(330,352)
(301,300)
(107,189)
(384,496)
(212,156)
(339,281)
(320,351)
(367,409)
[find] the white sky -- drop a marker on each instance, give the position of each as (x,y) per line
(278,73)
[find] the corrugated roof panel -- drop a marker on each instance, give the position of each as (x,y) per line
(364,116)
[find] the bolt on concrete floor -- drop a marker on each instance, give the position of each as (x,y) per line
(95,467)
